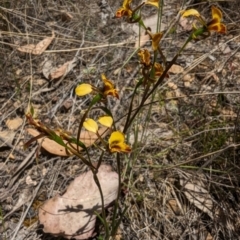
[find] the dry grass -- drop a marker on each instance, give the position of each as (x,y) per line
(182,178)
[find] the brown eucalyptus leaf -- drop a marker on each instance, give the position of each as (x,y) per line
(198,195)
(63,70)
(73,214)
(6,137)
(38,48)
(48,68)
(15,123)
(143,39)
(88,138)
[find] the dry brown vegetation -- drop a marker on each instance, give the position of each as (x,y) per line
(182,178)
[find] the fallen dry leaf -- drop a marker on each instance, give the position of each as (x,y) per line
(63,70)
(6,137)
(144,38)
(38,48)
(175,69)
(88,138)
(149,22)
(197,194)
(15,123)
(73,214)
(48,68)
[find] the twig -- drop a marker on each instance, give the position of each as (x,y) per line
(26,212)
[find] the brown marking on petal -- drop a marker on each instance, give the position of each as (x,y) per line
(223,28)
(213,22)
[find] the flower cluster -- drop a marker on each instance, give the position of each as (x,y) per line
(151,71)
(116,142)
(108,88)
(214,24)
(126,10)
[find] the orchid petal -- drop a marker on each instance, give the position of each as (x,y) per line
(83,89)
(90,125)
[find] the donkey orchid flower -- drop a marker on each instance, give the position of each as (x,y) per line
(117,144)
(109,87)
(144,56)
(125,10)
(213,25)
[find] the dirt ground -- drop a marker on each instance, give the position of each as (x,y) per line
(183,173)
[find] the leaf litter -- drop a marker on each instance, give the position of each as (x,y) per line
(73,215)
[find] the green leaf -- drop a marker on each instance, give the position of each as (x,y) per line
(95,100)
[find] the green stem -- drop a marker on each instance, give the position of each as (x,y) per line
(106,227)
(160,80)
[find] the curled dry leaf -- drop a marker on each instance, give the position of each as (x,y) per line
(73,214)
(6,137)
(143,39)
(197,194)
(38,48)
(48,68)
(63,70)
(15,123)
(88,138)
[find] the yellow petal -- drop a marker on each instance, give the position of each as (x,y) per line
(108,84)
(116,143)
(90,125)
(216,14)
(126,3)
(153,2)
(83,89)
(191,12)
(116,137)
(106,121)
(155,40)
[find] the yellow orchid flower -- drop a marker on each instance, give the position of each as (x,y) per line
(213,25)
(106,121)
(125,10)
(83,89)
(153,2)
(155,40)
(109,87)
(117,144)
(144,56)
(90,125)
